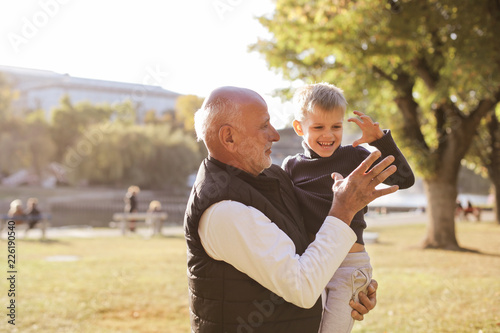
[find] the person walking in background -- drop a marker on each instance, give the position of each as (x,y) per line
(33,214)
(131,204)
(319,116)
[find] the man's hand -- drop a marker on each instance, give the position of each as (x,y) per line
(368,302)
(358,189)
(371,130)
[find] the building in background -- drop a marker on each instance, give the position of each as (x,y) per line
(40,89)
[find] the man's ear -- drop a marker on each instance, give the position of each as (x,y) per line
(297,127)
(227,137)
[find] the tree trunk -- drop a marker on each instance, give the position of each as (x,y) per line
(441,203)
(494,163)
(496,198)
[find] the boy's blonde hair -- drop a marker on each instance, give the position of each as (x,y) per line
(323,95)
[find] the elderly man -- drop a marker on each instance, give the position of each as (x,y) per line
(251,267)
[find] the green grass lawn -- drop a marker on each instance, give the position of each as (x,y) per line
(434,290)
(126,284)
(133,284)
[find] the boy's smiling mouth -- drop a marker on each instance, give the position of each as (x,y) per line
(325,144)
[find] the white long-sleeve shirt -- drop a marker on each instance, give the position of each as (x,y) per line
(246,239)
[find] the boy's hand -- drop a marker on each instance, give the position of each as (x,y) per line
(371,130)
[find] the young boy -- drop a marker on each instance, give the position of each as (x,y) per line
(319,119)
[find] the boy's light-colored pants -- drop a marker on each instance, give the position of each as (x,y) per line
(353,275)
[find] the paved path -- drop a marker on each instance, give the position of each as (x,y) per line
(372,219)
(382,220)
(394,219)
(90,232)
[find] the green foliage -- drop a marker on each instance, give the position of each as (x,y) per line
(6,97)
(70,121)
(123,113)
(484,155)
(150,118)
(100,144)
(41,148)
(429,70)
(185,107)
(25,144)
(149,156)
(12,146)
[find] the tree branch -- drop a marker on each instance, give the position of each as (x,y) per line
(403,86)
(383,74)
(429,77)
(483,107)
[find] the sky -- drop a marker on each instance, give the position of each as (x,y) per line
(187,46)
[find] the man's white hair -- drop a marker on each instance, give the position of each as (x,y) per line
(212,116)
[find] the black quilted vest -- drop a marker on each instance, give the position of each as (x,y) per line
(223,299)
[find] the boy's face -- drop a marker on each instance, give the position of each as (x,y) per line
(322,131)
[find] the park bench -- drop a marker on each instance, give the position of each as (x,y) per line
(154,220)
(42,224)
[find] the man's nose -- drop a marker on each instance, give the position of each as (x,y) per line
(274,136)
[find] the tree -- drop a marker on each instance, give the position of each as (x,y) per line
(150,118)
(151,156)
(185,107)
(484,155)
(431,66)
(40,146)
(70,121)
(493,163)
(25,143)
(12,146)
(6,96)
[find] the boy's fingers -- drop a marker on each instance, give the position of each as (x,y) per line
(355,120)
